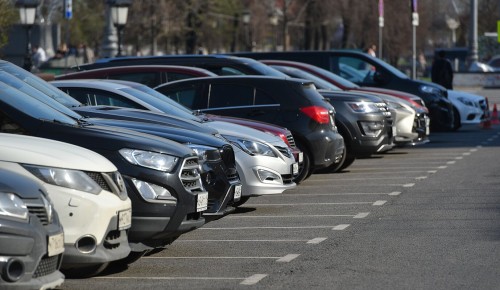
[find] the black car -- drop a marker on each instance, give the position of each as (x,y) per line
(291,103)
(218,64)
(31,236)
(365,70)
(161,176)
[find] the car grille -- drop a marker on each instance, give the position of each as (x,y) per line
(40,212)
(112,240)
(190,175)
(290,139)
(108,182)
(285,151)
(47,265)
(419,124)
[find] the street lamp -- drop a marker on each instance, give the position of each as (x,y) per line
(27,13)
(119,13)
(246,21)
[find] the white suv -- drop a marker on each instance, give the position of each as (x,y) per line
(88,194)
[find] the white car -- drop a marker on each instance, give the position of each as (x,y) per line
(468,108)
(88,194)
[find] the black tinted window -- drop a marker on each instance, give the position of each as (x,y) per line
(230,96)
(183,95)
(150,79)
(262,98)
(92,97)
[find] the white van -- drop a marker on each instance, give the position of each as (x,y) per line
(88,194)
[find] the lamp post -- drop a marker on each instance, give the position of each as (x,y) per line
(119,13)
(27,13)
(246,22)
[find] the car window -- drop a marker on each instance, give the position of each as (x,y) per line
(229,71)
(359,71)
(150,79)
(175,76)
(263,98)
(225,95)
(183,95)
(94,97)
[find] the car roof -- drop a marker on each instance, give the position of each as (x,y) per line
(242,78)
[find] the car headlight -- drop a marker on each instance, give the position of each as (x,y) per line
(363,107)
(12,206)
(251,147)
(429,89)
(69,178)
(466,102)
(153,193)
(205,153)
(153,160)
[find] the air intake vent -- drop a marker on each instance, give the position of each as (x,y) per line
(190,175)
(40,212)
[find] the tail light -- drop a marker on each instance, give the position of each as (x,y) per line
(318,114)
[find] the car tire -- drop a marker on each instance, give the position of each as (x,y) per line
(305,168)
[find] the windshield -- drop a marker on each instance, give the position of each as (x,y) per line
(31,106)
(264,69)
(390,68)
(338,79)
(160,101)
(40,85)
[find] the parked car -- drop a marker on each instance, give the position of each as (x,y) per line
(161,176)
(80,182)
(292,103)
(409,123)
(376,73)
(363,120)
(154,75)
(218,64)
(468,108)
(261,171)
(31,237)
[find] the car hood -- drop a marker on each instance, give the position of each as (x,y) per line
(109,112)
(226,128)
(164,130)
(466,95)
(46,152)
(19,184)
(262,126)
(350,96)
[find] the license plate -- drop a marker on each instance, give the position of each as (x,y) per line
(124,219)
(394,131)
(202,202)
(55,245)
(427,124)
(295,168)
(237,193)
(301,157)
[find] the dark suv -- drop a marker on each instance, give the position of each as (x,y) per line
(291,103)
(373,72)
(162,177)
(31,237)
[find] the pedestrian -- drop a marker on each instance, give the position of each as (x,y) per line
(38,55)
(442,71)
(372,50)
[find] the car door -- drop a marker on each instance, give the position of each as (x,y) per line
(243,101)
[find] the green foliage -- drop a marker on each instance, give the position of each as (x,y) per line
(8,16)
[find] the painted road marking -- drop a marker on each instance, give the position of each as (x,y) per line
(379,202)
(254,279)
(361,215)
(287,258)
(394,193)
(287,216)
(313,203)
(443,167)
(316,240)
(451,162)
(329,194)
(263,228)
(420,177)
(165,278)
(432,171)
(409,185)
(234,241)
(341,227)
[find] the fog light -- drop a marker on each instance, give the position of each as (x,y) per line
(267,176)
(152,192)
(371,129)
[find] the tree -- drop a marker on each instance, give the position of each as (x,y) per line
(8,17)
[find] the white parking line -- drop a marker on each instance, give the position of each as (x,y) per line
(379,202)
(206,257)
(166,278)
(254,279)
(466,153)
(287,258)
(316,240)
(459,157)
(361,215)
(474,149)
(287,216)
(312,203)
(395,193)
(451,162)
(327,194)
(251,241)
(409,185)
(264,228)
(420,177)
(443,167)
(341,227)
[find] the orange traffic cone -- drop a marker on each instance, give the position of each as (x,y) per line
(494,116)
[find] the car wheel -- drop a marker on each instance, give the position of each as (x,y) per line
(242,200)
(85,272)
(456,119)
(304,168)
